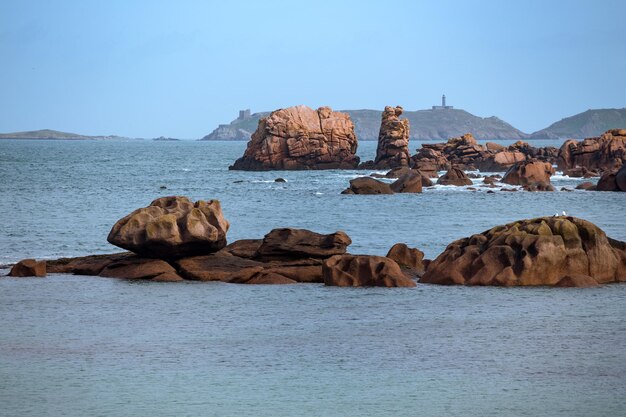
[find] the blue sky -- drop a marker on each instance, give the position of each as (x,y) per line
(179,68)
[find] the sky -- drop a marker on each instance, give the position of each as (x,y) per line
(180,68)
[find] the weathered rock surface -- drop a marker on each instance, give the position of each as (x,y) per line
(367,185)
(85,265)
(604,153)
(300,138)
(540,251)
(409,258)
(529,173)
(393,140)
(364,271)
(614,180)
(500,161)
(134,267)
(287,243)
(28,268)
(454,176)
(411,182)
(172,227)
(589,186)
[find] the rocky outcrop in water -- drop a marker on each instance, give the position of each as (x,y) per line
(172,227)
(28,268)
(409,258)
(532,174)
(364,271)
(542,251)
(454,176)
(604,153)
(393,140)
(367,185)
(614,180)
(299,138)
(411,182)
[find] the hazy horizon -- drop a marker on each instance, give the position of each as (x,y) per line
(150,69)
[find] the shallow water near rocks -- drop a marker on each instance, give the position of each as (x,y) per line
(78,346)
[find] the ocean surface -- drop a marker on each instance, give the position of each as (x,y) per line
(76,346)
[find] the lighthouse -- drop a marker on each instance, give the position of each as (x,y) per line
(443,104)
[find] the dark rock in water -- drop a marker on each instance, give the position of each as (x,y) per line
(163,187)
(490,179)
(280,180)
(589,186)
(454,176)
(300,243)
(396,172)
(172,227)
(566,189)
(367,185)
(300,138)
(510,190)
(538,186)
(409,258)
(490,192)
(613,180)
(411,182)
(28,268)
(540,251)
(364,271)
(393,140)
(238,181)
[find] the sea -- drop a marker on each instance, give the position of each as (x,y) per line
(89,346)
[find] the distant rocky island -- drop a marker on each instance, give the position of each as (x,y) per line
(165,139)
(53,134)
(444,122)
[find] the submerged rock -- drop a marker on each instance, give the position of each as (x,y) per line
(299,138)
(172,227)
(364,271)
(540,251)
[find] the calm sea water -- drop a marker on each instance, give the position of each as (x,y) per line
(92,346)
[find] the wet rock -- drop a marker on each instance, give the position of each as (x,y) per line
(364,271)
(454,176)
(589,186)
(85,265)
(280,180)
(538,251)
(409,258)
(28,268)
(300,138)
(411,182)
(367,185)
(172,227)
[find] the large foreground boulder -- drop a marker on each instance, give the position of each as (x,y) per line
(393,140)
(364,271)
(171,228)
(28,268)
(300,138)
(540,251)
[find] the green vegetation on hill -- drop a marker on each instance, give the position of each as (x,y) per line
(51,134)
(584,125)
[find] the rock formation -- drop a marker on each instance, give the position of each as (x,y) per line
(28,268)
(364,271)
(367,185)
(604,153)
(300,138)
(454,176)
(529,173)
(614,180)
(409,258)
(393,140)
(540,251)
(172,227)
(410,182)
(300,243)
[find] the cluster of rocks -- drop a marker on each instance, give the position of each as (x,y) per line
(408,181)
(175,239)
(554,251)
(299,138)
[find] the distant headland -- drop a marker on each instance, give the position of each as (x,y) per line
(47,134)
(442,122)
